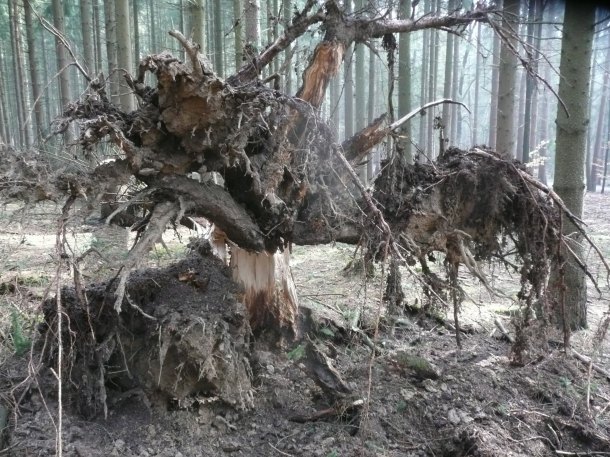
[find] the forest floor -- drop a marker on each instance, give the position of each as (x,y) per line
(472,401)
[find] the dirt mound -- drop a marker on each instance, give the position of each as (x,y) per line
(181,333)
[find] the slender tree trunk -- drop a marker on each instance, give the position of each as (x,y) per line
(153,34)
(34,75)
(219,39)
(432,72)
(19,72)
(137,49)
(456,113)
(86,17)
(111,50)
(46,59)
(529,83)
(477,85)
(124,54)
(373,156)
(404,83)
(569,183)
(275,34)
(447,88)
(495,78)
(287,11)
(198,23)
(424,82)
(597,153)
(519,116)
(239,41)
(537,42)
(97,27)
(506,131)
(360,99)
(348,89)
(543,121)
(5,130)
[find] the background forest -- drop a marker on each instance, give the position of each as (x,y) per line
(39,77)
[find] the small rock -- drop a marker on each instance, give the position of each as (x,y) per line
(119,445)
(407,394)
(465,418)
(270,369)
(430,386)
(329,441)
(453,417)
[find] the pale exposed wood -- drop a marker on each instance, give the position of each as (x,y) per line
(268,288)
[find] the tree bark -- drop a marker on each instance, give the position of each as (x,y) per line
(198,24)
(124,53)
(404,83)
(19,72)
(111,49)
(575,67)
(597,156)
(86,17)
(239,41)
(34,74)
(506,131)
(495,77)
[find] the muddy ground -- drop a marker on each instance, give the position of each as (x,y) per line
(421,396)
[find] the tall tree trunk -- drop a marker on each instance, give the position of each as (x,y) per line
(19,72)
(239,41)
(532,28)
(86,18)
(404,83)
(287,11)
(62,61)
(137,50)
(373,156)
(495,79)
(597,156)
(519,116)
(477,85)
(456,115)
(432,73)
(97,27)
(348,85)
(575,67)
(447,92)
(219,38)
(198,23)
(543,121)
(506,131)
(34,75)
(124,54)
(154,33)
(360,99)
(5,130)
(424,82)
(111,50)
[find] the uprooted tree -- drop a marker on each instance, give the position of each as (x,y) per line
(286,179)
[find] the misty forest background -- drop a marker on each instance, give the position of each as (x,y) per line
(41,40)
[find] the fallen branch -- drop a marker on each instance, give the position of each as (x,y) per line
(587,360)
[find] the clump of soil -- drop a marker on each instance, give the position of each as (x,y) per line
(180,334)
